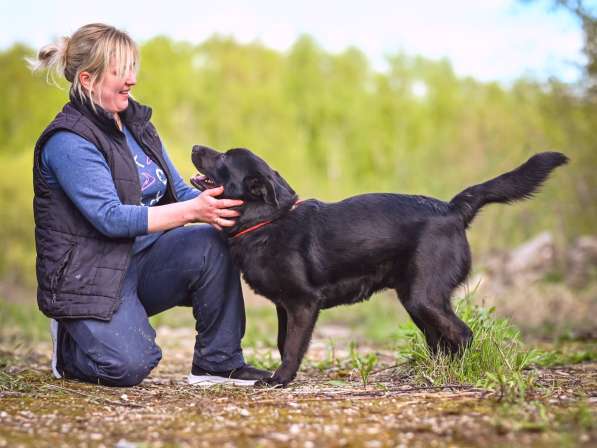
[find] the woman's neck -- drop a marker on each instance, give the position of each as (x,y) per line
(118,121)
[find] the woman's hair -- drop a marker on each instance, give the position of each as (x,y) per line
(93,48)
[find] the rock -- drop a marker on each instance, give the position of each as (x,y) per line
(534,257)
(538,257)
(581,260)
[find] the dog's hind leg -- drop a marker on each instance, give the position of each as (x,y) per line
(431,311)
(440,264)
(300,323)
(282,324)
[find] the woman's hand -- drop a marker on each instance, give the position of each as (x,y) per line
(206,208)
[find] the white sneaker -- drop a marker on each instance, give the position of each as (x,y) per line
(54,333)
(213,380)
(247,375)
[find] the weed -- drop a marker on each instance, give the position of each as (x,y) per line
(264,361)
(496,358)
(364,365)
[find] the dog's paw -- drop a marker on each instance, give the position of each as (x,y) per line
(270,383)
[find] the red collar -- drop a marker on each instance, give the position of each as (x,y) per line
(263,223)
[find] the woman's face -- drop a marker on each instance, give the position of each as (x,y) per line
(111,92)
(114,91)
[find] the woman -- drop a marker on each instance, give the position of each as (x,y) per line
(110,210)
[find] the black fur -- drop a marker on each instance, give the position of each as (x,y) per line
(318,255)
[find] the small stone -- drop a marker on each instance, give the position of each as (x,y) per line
(124,397)
(244,413)
(95,436)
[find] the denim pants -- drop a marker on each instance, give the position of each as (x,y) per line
(186,266)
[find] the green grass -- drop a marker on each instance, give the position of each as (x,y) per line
(565,354)
(496,359)
(23,321)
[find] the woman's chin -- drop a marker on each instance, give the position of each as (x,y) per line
(122,105)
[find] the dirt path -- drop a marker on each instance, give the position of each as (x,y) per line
(328,407)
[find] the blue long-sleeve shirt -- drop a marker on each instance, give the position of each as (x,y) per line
(78,167)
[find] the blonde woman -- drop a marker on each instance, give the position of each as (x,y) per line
(112,246)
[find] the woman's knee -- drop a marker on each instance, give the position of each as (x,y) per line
(212,239)
(128,369)
(206,247)
(191,242)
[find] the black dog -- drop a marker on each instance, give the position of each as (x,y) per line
(312,255)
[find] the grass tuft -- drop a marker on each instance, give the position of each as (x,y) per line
(496,358)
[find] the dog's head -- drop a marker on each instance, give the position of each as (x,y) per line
(244,176)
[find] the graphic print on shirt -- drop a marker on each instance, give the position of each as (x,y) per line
(160,193)
(151,191)
(147,180)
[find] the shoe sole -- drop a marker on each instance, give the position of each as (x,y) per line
(54,334)
(210,380)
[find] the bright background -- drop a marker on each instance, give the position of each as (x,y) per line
(340,97)
(488,40)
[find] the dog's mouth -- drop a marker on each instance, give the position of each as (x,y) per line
(203,182)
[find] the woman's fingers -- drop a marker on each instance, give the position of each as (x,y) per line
(220,203)
(222,222)
(217,191)
(216,211)
(227,213)
(225,203)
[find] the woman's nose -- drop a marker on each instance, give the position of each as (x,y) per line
(131,78)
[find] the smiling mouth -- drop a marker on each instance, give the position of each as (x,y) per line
(203,182)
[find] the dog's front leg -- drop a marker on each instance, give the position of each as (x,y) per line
(300,322)
(282,324)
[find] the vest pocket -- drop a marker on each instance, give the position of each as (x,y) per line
(58,275)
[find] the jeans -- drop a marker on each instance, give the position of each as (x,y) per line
(186,266)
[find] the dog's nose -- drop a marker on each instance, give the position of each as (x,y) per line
(198,148)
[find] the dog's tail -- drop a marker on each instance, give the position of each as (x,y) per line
(514,185)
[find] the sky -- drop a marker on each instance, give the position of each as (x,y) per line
(491,40)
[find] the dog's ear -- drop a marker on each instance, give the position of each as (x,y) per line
(261,187)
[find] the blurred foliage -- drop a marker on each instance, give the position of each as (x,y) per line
(332,126)
(587,15)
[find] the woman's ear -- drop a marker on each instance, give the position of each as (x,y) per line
(85,80)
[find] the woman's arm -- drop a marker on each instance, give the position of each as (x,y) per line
(78,167)
(203,208)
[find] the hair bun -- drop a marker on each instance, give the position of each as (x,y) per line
(53,55)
